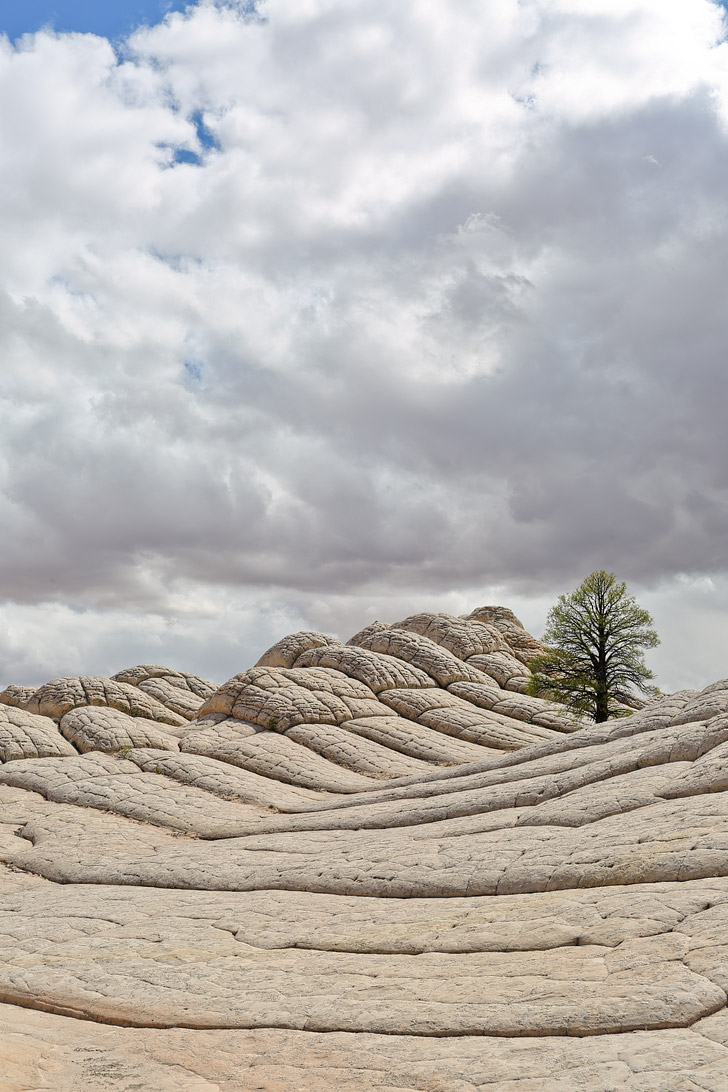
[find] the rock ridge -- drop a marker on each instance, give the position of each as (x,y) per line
(376,864)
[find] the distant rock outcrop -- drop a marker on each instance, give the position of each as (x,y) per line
(371,865)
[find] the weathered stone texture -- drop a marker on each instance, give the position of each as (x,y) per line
(376,865)
(25,735)
(60,696)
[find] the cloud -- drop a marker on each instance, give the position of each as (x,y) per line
(314,307)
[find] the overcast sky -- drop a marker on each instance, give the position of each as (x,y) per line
(316,311)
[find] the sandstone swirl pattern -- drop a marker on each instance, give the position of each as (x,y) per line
(372,865)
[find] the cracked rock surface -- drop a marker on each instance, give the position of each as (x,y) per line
(373,865)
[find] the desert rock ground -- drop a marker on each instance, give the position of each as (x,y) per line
(373,865)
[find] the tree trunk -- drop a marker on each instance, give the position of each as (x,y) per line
(602,709)
(601,712)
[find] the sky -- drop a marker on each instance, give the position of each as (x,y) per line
(319,311)
(112,19)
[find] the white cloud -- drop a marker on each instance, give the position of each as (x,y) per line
(336,306)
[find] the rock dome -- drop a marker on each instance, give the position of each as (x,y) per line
(367,865)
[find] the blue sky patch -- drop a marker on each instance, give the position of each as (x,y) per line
(194,369)
(109,18)
(207,142)
(185,155)
(206,137)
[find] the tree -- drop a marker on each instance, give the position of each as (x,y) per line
(595,639)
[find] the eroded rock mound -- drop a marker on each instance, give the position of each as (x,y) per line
(25,735)
(93,728)
(367,865)
(60,696)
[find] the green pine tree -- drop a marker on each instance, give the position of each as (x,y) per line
(596,638)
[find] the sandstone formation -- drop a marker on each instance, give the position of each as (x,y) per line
(372,865)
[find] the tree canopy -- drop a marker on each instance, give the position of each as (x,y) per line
(596,638)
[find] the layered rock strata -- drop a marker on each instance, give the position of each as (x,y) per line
(375,865)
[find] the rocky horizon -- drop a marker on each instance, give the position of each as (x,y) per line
(372,865)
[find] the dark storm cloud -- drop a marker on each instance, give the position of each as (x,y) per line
(437,306)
